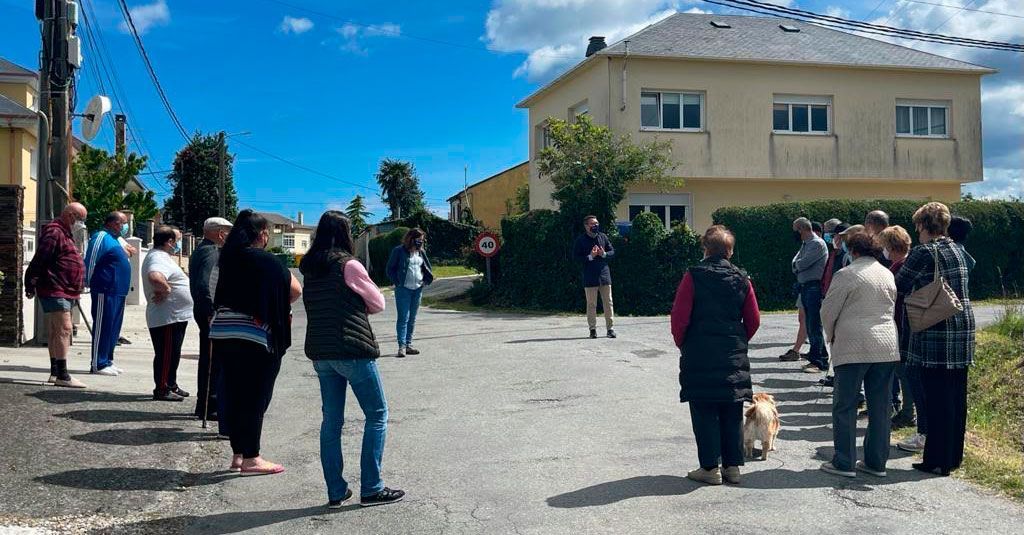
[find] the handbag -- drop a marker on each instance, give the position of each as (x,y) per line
(931,304)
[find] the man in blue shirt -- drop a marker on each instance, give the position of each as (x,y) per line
(108,273)
(593,249)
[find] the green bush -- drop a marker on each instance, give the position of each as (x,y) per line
(538,271)
(380,250)
(445,240)
(480,292)
(765,245)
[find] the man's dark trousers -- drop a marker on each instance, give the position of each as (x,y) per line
(810,297)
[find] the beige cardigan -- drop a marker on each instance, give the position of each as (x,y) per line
(858,312)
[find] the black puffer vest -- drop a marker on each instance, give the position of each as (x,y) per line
(337,325)
(713,365)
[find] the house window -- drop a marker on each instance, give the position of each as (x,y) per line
(671,111)
(922,119)
(33,169)
(578,111)
(289,241)
(671,209)
(305,244)
(795,114)
(543,136)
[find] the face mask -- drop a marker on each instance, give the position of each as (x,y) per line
(797,237)
(828,238)
(418,243)
(124,230)
(78,226)
(885,253)
(595,229)
(177,248)
(845,250)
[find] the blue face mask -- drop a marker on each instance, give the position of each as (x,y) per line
(418,243)
(595,229)
(845,250)
(124,231)
(828,238)
(177,248)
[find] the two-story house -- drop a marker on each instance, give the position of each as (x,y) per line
(490,199)
(289,234)
(763,110)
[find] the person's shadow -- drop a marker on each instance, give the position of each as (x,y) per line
(225,523)
(671,485)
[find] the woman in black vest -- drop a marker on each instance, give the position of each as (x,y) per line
(338,295)
(714,315)
(251,332)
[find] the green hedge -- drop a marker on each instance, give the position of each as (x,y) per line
(380,250)
(765,245)
(445,240)
(537,269)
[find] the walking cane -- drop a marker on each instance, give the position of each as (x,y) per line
(209,380)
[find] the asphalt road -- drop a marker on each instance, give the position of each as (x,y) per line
(519,424)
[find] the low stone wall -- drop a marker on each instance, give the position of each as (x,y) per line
(12,253)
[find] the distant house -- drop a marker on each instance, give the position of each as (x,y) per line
(19,123)
(490,199)
(765,110)
(289,234)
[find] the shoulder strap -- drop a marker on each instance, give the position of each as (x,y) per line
(935,255)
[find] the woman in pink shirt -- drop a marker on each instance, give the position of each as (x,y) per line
(339,297)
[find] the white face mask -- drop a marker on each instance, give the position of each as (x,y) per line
(79,225)
(885,253)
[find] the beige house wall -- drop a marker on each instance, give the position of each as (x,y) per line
(737,159)
(16,148)
(490,199)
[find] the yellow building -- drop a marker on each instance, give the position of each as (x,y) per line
(492,198)
(289,234)
(19,94)
(762,110)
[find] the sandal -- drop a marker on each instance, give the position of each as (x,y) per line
(236,463)
(264,468)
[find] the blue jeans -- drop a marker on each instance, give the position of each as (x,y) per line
(810,297)
(335,376)
(877,380)
(408,304)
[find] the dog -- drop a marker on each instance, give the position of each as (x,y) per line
(761,423)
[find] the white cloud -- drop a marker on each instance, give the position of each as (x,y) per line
(999,184)
(147,16)
(1009,97)
(554,33)
(353,35)
(836,11)
(295,25)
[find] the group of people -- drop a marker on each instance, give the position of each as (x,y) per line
(240,297)
(852,281)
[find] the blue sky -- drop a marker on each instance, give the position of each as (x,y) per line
(336,86)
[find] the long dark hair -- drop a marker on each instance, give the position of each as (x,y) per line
(412,235)
(248,226)
(333,233)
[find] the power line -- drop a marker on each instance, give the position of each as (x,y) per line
(878,5)
(840,23)
(1000,13)
(955,13)
(126,14)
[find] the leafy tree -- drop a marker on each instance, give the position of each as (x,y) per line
(521,200)
(358,214)
(400,188)
(99,181)
(591,168)
(195,181)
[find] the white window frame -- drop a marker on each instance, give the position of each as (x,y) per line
(661,100)
(33,164)
(945,104)
(808,101)
(285,239)
(543,133)
(668,200)
(579,110)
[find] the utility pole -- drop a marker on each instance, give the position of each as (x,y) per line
(59,56)
(120,136)
(221,178)
(465,189)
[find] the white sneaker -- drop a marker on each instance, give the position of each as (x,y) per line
(108,371)
(914,444)
(116,369)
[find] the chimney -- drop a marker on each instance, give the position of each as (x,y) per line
(299,218)
(596,44)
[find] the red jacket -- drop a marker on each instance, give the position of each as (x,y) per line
(57,269)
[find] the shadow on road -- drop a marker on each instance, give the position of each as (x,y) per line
(114,416)
(666,485)
(225,523)
(65,397)
(146,436)
(537,340)
(26,369)
(129,479)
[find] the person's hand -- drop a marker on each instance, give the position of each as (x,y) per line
(595,250)
(600,251)
(30,294)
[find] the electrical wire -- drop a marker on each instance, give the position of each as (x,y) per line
(1000,13)
(126,14)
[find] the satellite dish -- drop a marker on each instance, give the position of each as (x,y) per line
(92,119)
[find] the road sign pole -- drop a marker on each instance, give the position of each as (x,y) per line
(488,270)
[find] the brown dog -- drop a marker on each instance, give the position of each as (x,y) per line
(761,423)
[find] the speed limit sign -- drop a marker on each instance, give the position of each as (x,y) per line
(486,244)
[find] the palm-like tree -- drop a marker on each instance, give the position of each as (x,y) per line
(399,187)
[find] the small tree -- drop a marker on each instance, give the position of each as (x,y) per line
(357,214)
(400,188)
(520,200)
(99,181)
(591,168)
(196,183)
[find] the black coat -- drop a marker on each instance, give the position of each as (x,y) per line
(713,364)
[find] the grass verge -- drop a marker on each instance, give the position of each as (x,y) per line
(444,272)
